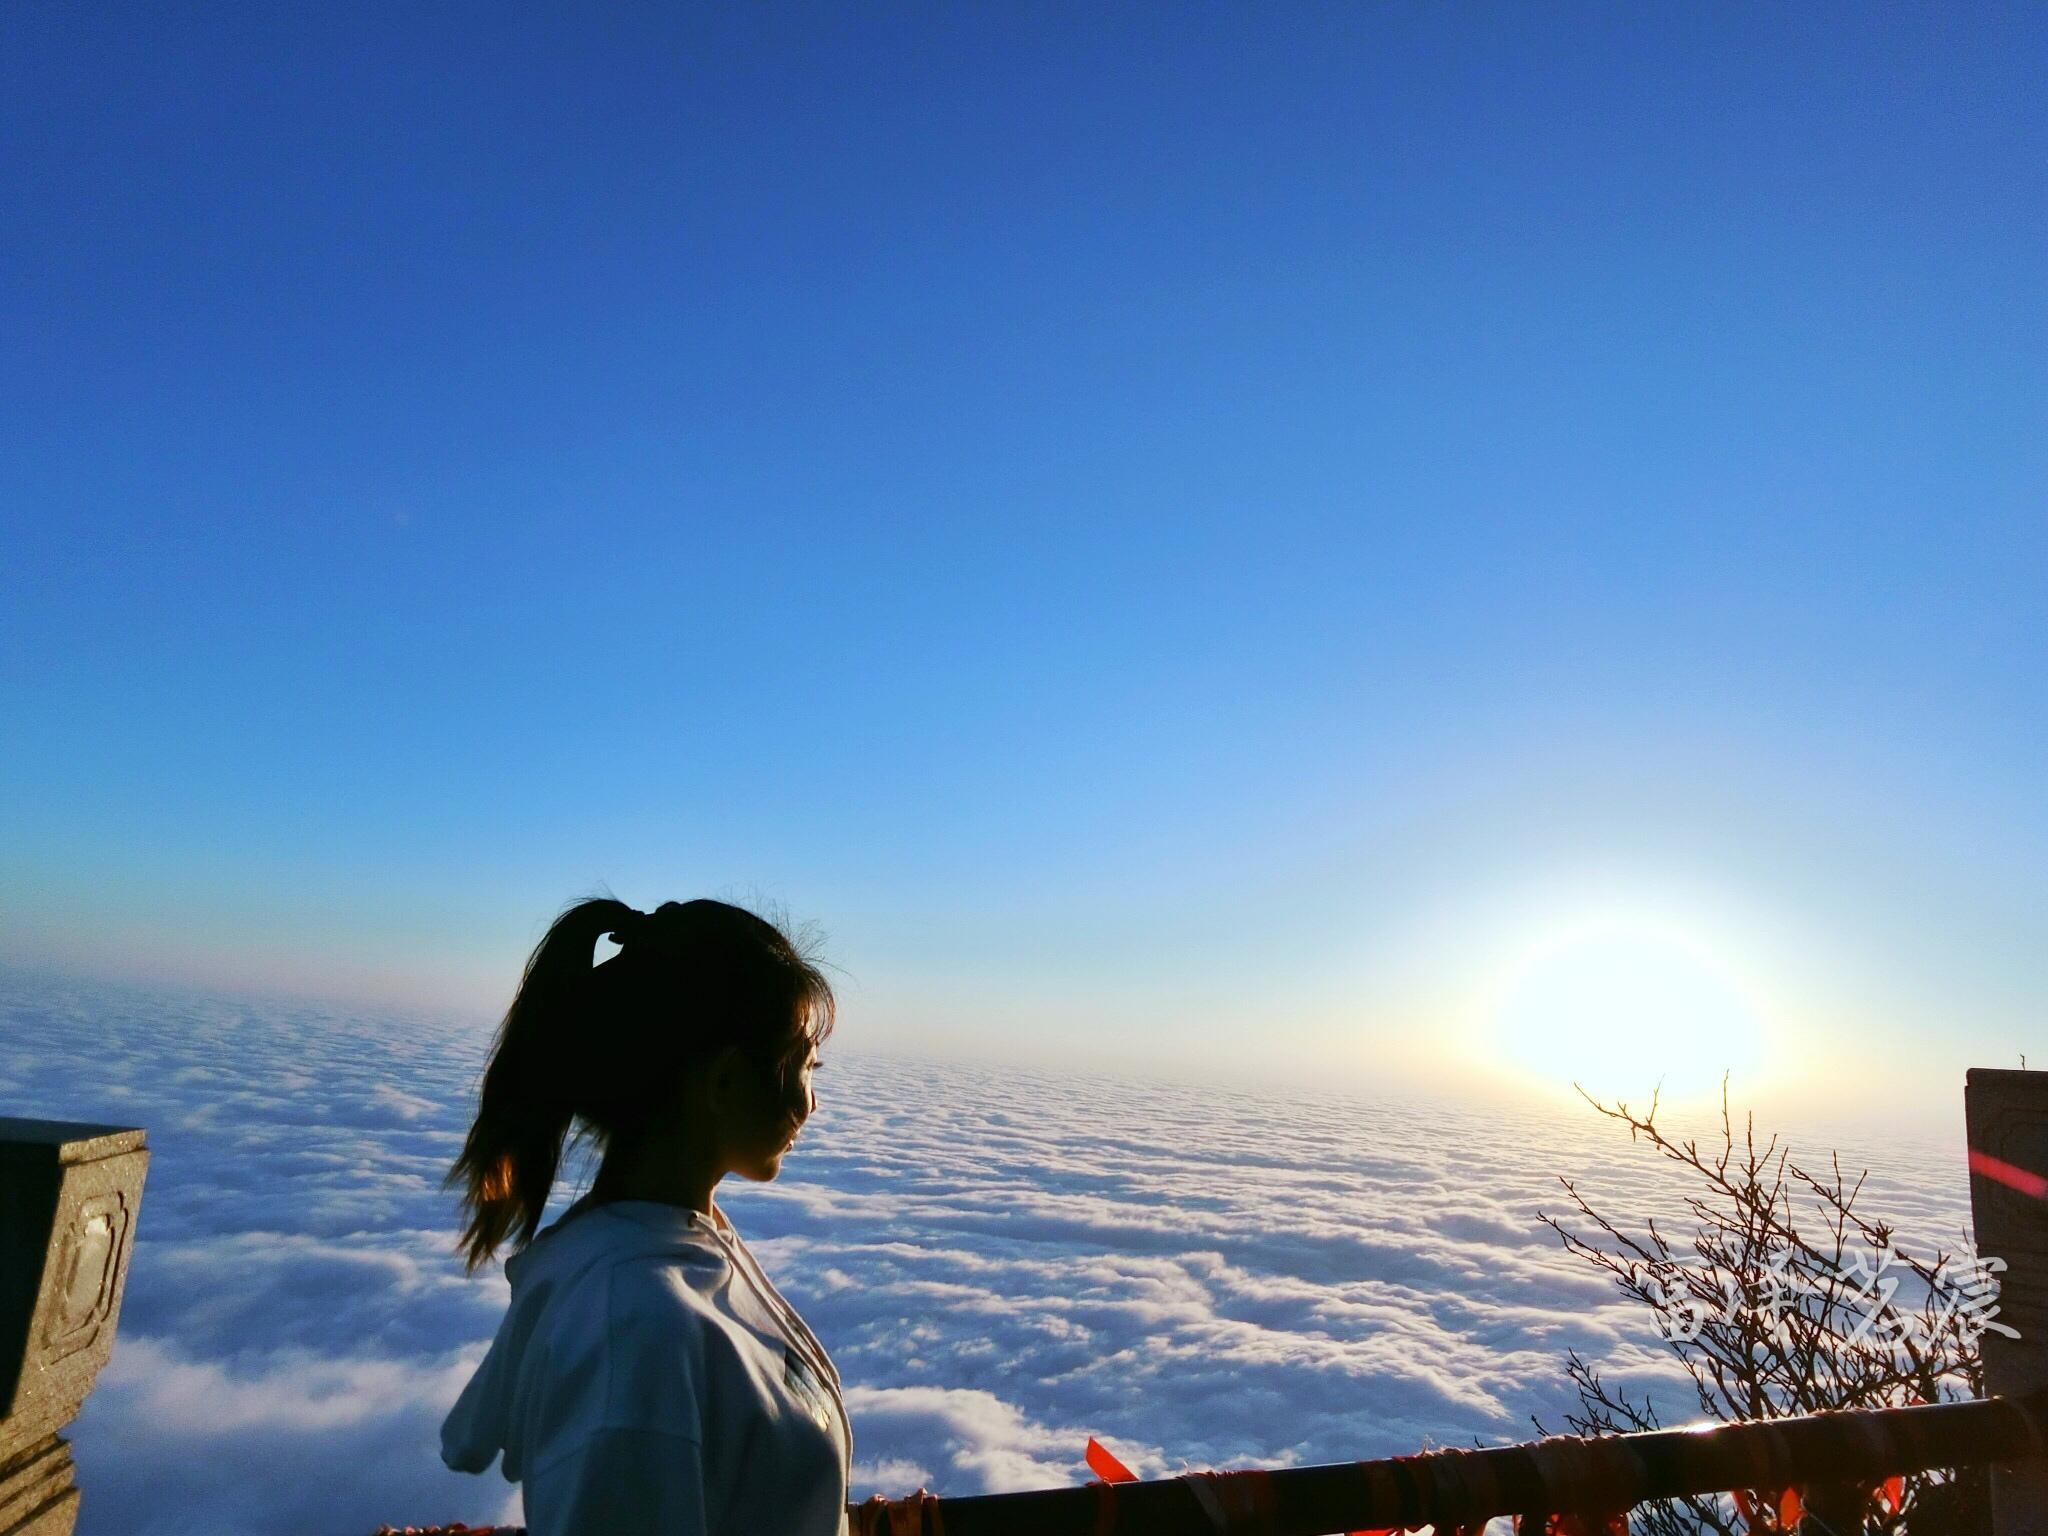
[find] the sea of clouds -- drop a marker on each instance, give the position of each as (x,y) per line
(1001,1263)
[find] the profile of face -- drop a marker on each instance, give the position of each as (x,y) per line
(760,1116)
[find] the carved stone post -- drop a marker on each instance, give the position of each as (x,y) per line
(2007,1115)
(68,1197)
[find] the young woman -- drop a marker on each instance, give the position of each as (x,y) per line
(648,1376)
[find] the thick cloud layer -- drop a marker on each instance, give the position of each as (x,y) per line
(1001,1263)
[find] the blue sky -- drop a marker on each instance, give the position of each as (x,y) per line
(1188,535)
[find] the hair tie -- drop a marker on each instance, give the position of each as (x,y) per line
(630,928)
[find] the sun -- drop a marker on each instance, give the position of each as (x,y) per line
(1622,1006)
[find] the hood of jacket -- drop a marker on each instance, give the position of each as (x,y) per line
(574,1254)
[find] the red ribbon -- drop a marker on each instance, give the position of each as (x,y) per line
(1106,1466)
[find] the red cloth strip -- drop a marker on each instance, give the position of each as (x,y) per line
(2025,1180)
(1106,1466)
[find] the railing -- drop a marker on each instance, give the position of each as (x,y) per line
(1835,1459)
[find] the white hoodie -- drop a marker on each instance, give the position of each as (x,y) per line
(648,1377)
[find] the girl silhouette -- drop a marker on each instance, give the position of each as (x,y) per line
(647,1375)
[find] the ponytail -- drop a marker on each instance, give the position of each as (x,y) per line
(508,1164)
(601,1044)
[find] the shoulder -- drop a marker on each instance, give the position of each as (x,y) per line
(626,1312)
(651,1298)
(666,1348)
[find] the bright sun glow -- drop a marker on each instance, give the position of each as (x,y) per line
(1618,1006)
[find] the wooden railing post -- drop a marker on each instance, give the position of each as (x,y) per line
(2006,1115)
(68,1198)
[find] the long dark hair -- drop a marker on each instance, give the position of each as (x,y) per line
(600,1046)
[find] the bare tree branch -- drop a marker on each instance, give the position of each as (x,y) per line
(1770,1322)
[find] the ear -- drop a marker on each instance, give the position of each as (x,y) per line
(726,1079)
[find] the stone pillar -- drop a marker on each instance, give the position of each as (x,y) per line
(2006,1112)
(68,1197)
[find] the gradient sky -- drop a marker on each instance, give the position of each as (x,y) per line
(1184,537)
